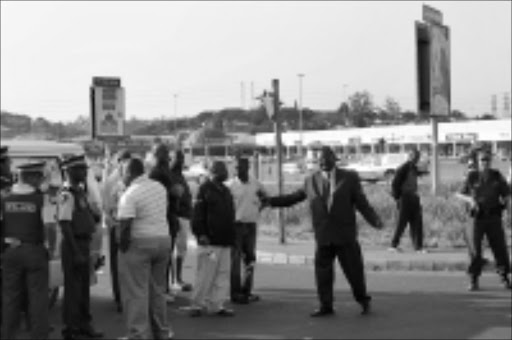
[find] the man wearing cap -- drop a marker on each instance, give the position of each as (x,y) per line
(487,193)
(334,195)
(112,190)
(27,215)
(247,193)
(78,223)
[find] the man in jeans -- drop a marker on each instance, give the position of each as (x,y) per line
(247,193)
(144,247)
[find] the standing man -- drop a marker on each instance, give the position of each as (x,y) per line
(78,222)
(113,187)
(184,212)
(405,191)
(26,217)
(334,195)
(487,193)
(160,171)
(247,193)
(213,224)
(144,247)
(5,185)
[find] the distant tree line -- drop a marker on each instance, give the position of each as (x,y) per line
(358,111)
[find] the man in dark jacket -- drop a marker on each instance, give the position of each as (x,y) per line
(213,224)
(334,195)
(405,191)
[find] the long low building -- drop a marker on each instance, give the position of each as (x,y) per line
(453,138)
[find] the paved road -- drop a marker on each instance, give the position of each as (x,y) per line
(406,305)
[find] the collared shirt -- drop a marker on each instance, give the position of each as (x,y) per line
(246,198)
(48,211)
(330,177)
(145,201)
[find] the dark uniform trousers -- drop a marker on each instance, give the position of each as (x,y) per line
(76,310)
(409,212)
(351,261)
(490,227)
(244,249)
(114,271)
(25,266)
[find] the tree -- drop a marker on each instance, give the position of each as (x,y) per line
(361,109)
(392,109)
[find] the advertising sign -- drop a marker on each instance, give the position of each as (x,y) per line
(439,70)
(107,108)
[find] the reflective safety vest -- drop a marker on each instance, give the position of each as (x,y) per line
(22,218)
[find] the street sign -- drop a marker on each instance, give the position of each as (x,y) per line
(432,15)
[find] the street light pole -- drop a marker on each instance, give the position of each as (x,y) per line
(175,109)
(301,121)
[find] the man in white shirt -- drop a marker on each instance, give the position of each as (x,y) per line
(144,247)
(247,193)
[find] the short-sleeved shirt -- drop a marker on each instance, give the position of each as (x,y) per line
(145,201)
(246,198)
(488,191)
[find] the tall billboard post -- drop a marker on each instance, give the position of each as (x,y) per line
(433,76)
(107,100)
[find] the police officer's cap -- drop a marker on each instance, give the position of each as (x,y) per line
(74,162)
(3,152)
(32,167)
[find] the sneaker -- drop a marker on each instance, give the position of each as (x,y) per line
(395,249)
(473,285)
(253,298)
(185,287)
(225,312)
(421,251)
(175,287)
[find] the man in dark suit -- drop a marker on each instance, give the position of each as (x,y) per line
(334,195)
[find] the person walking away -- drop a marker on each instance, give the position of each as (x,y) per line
(404,188)
(247,193)
(78,222)
(144,247)
(112,189)
(160,171)
(184,212)
(26,217)
(487,193)
(334,195)
(213,224)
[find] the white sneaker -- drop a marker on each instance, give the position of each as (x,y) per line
(395,249)
(422,251)
(176,287)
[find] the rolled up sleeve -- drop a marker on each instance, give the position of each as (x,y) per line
(127,206)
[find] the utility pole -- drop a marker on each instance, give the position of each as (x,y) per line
(277,125)
(175,110)
(301,119)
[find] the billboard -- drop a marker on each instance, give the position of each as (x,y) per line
(439,70)
(107,108)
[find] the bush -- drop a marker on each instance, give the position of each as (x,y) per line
(444,217)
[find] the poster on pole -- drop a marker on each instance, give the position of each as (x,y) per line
(108,111)
(440,70)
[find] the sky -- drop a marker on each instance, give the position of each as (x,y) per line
(176,59)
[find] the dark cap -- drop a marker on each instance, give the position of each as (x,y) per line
(32,167)
(74,162)
(3,152)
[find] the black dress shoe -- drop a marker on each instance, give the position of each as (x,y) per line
(225,312)
(366,308)
(323,311)
(240,299)
(71,334)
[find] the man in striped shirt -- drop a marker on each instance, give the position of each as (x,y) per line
(144,247)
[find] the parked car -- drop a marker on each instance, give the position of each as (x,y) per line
(53,153)
(383,166)
(291,168)
(196,172)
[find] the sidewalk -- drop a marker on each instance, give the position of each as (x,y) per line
(376,259)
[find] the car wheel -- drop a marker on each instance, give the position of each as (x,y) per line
(53,296)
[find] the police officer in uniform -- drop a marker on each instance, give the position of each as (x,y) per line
(77,220)
(5,185)
(26,216)
(487,192)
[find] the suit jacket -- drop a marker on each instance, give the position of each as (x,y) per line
(336,225)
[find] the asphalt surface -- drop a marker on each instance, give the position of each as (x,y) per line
(406,305)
